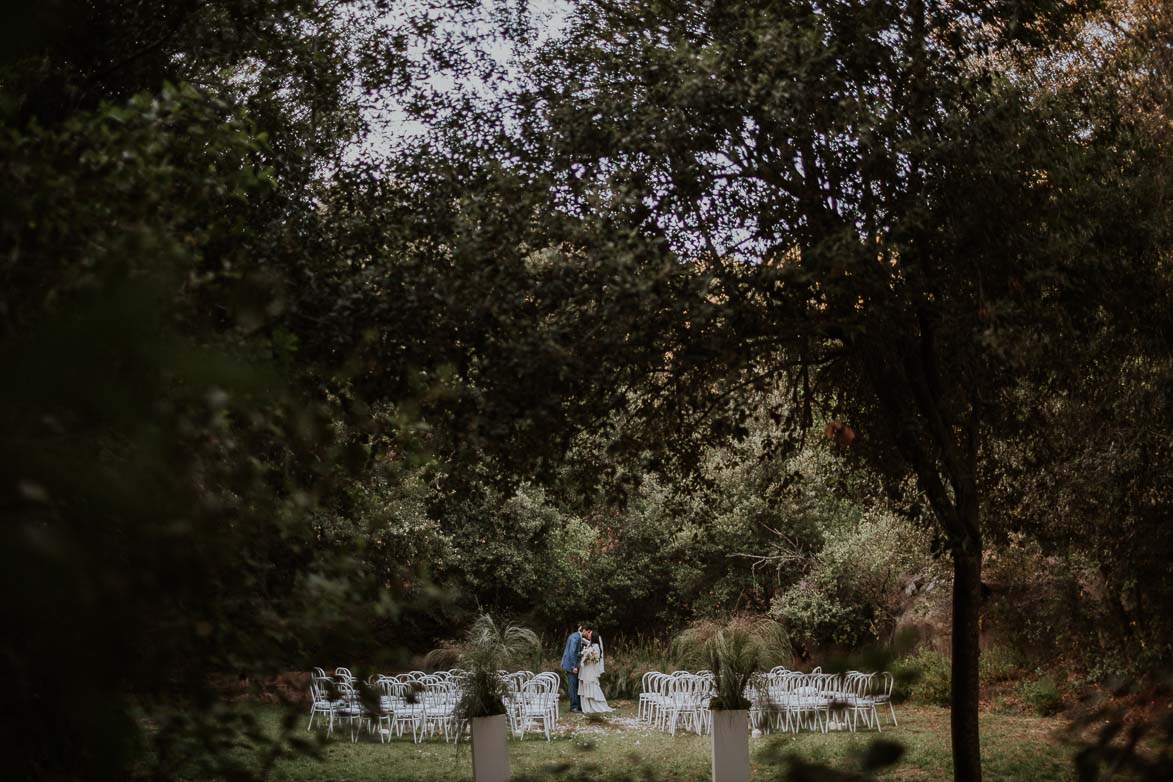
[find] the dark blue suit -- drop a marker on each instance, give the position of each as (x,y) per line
(569,663)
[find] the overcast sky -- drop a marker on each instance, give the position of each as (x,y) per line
(389,123)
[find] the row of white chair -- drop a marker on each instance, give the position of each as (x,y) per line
(678,699)
(531,701)
(779,700)
(425,702)
(792,700)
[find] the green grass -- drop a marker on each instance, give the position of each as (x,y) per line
(1014,747)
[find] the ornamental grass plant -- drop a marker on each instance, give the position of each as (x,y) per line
(737,652)
(487,649)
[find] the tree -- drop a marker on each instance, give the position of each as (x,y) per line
(159,453)
(881,210)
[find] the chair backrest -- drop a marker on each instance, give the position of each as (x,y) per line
(347,693)
(806,684)
(439,697)
(535,688)
(553,680)
(687,690)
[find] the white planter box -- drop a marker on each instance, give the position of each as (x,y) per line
(490,760)
(731,746)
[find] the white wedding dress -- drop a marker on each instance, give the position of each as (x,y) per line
(590,694)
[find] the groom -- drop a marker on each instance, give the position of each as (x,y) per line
(574,644)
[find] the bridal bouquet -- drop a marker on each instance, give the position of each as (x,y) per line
(591,655)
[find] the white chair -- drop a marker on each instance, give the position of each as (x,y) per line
(760,709)
(881,694)
(857,693)
(804,704)
(683,701)
(661,699)
(531,706)
(407,708)
(439,710)
(348,708)
(647,697)
(321,702)
(385,690)
(706,690)
(553,687)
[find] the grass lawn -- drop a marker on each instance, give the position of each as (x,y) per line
(1014,748)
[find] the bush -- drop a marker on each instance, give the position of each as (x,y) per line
(851,593)
(628,661)
(1042,695)
(999,664)
(735,651)
(929,673)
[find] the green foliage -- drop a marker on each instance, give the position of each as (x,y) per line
(852,589)
(736,652)
(999,663)
(1111,741)
(926,677)
(266,391)
(899,256)
(1042,695)
(819,617)
(517,553)
(161,454)
(487,650)
(929,674)
(629,659)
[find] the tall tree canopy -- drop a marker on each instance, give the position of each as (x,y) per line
(899,212)
(232,315)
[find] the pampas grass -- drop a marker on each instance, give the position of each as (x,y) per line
(487,649)
(736,652)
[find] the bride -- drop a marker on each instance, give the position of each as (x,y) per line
(591,667)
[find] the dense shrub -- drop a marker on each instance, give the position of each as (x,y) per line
(930,677)
(628,661)
(853,589)
(999,663)
(1042,696)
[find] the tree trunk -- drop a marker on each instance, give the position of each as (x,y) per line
(967,600)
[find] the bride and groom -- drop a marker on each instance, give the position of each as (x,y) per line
(582,659)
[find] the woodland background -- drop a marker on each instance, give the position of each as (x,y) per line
(291,374)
